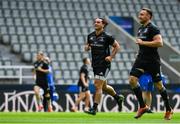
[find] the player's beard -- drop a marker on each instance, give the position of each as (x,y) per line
(143,21)
(98,29)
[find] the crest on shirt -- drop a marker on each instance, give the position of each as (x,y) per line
(101,73)
(91,38)
(145,30)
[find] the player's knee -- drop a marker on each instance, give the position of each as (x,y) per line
(36,90)
(99,91)
(148,94)
(98,88)
(47,96)
(133,80)
(104,87)
(87,95)
(159,86)
(98,84)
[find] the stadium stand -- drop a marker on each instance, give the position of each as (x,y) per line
(60,27)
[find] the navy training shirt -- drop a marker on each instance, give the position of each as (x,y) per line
(100,48)
(146,33)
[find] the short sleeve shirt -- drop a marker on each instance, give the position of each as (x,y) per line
(84,69)
(41,77)
(100,48)
(146,33)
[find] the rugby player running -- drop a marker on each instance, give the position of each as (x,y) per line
(99,43)
(149,40)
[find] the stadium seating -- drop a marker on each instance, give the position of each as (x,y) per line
(60,27)
(6,62)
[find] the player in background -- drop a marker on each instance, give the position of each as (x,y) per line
(147,88)
(83,84)
(146,85)
(100,43)
(148,60)
(51,84)
(41,69)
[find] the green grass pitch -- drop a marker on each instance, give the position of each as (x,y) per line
(82,118)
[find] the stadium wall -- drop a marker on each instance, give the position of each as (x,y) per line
(20,98)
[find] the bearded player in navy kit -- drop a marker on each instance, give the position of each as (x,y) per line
(99,42)
(148,60)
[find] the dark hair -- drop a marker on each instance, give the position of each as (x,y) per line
(149,11)
(84,60)
(104,21)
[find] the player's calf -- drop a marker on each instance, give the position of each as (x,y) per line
(120,101)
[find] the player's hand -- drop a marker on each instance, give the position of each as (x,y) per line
(139,41)
(108,58)
(87,47)
(86,85)
(39,68)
